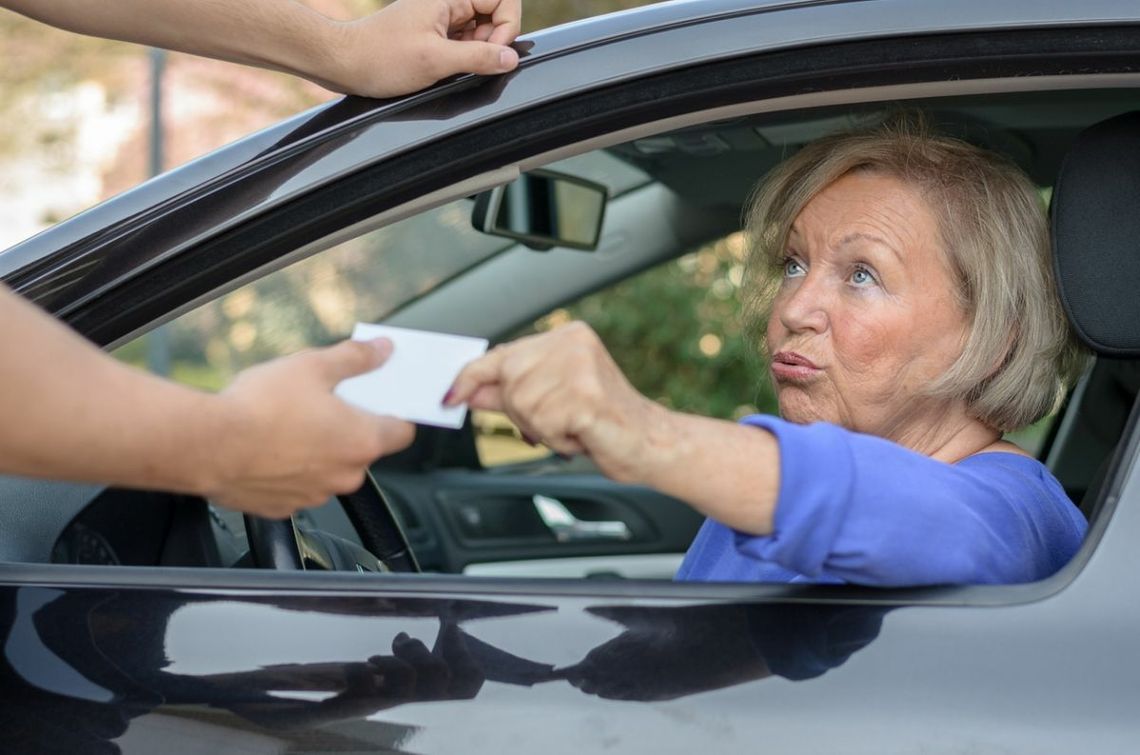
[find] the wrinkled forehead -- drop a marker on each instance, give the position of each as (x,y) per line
(868,203)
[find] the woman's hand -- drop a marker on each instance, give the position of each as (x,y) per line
(563,389)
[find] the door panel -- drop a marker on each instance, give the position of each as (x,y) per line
(456,518)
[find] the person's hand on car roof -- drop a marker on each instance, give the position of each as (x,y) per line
(411,44)
(292,442)
(399,49)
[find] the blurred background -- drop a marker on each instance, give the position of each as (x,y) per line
(78,124)
(76,112)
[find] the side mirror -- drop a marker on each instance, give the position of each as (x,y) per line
(544,209)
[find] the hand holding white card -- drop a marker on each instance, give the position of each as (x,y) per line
(411,384)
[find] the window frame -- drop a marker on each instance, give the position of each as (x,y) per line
(521,139)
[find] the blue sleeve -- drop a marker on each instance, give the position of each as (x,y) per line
(863,509)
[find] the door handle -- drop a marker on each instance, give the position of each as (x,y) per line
(568,528)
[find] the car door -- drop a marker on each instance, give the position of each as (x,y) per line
(143,658)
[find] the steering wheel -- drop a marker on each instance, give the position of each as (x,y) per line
(280,544)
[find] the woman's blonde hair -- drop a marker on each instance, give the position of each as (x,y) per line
(1019,355)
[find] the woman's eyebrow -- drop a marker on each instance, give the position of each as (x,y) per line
(864,236)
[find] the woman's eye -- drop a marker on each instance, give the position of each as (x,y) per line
(862,277)
(793,269)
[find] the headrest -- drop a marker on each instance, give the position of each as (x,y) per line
(1096,236)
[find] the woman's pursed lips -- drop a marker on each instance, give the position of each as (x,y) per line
(788,365)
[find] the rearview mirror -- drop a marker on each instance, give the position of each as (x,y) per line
(544,209)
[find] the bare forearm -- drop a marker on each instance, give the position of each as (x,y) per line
(399,49)
(70,411)
(724,470)
(282,35)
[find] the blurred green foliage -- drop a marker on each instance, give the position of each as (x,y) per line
(676,332)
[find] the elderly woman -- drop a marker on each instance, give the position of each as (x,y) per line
(911,320)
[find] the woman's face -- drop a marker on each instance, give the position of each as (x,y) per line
(866,314)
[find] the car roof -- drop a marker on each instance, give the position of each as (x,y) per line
(266,170)
(326,121)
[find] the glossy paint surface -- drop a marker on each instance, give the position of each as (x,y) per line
(407,667)
(423,664)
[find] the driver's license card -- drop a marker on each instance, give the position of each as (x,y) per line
(411,384)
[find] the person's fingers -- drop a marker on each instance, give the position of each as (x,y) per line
(487,397)
(409,649)
(360,680)
(466,674)
(463,31)
(549,420)
(470,56)
(350,358)
(347,480)
(479,373)
(432,674)
(481,32)
(395,434)
(521,398)
(528,379)
(280,506)
(366,437)
(394,677)
(545,419)
(506,15)
(502,35)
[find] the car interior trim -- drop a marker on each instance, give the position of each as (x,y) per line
(837,98)
(632,566)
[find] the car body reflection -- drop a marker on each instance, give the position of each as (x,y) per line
(100,661)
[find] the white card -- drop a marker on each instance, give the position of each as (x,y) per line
(411,384)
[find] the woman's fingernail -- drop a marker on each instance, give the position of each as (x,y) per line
(529,440)
(448,396)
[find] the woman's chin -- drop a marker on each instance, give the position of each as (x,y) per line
(798,410)
(798,418)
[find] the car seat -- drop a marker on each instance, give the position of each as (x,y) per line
(1096,257)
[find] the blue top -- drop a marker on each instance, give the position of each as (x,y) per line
(861,509)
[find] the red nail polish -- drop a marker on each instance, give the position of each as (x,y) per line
(529,440)
(447,396)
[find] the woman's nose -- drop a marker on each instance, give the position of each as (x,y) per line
(803,306)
